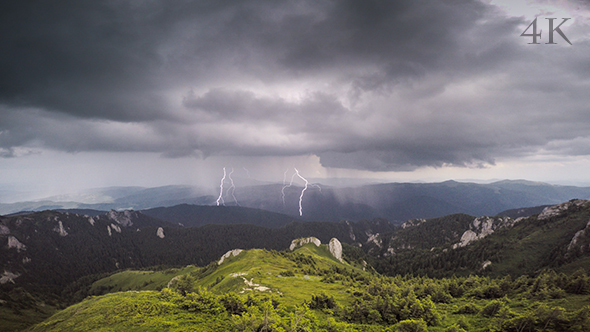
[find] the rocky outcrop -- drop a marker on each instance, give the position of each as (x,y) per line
(122,218)
(4,230)
(299,242)
(579,234)
(467,237)
(116,228)
(350,231)
(160,233)
(413,222)
(8,277)
(390,252)
(60,229)
(335,248)
(15,243)
(252,286)
(482,227)
(229,254)
(555,210)
(374,238)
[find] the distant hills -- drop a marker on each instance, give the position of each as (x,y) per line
(396,202)
(188,215)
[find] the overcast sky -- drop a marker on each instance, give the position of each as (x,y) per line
(101,93)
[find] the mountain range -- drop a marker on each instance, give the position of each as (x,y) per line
(396,202)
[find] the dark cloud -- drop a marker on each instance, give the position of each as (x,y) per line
(377,85)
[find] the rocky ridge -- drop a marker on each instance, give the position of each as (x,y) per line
(556,210)
(482,227)
(229,254)
(299,242)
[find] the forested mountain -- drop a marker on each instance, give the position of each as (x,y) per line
(558,238)
(189,215)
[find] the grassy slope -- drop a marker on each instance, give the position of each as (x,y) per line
(268,269)
(17,320)
(138,280)
(131,311)
(147,311)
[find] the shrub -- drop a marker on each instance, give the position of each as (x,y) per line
(322,301)
(412,325)
(468,309)
(455,328)
(233,304)
(519,324)
(492,309)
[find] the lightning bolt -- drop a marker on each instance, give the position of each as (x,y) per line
(284,185)
(247,172)
(220,198)
(232,188)
(307,185)
(285,176)
(315,185)
(302,191)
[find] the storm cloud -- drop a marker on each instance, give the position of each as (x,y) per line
(369,85)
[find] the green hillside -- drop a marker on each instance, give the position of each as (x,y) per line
(558,240)
(309,290)
(295,277)
(253,280)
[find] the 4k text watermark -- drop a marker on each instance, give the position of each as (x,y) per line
(552,29)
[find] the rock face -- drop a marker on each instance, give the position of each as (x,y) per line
(299,242)
(60,229)
(4,230)
(579,234)
(8,277)
(375,239)
(555,210)
(335,248)
(122,218)
(468,237)
(482,227)
(350,231)
(15,243)
(116,228)
(413,222)
(160,233)
(229,254)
